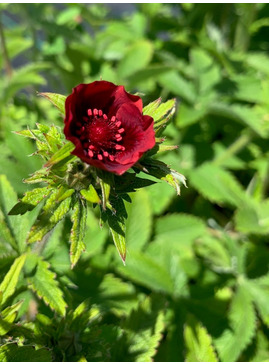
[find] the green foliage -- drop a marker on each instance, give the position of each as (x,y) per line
(199,343)
(195,286)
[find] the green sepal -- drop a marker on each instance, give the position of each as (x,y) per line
(78,218)
(116,223)
(161,171)
(61,154)
(42,175)
(8,316)
(56,99)
(30,200)
(56,207)
(161,113)
(151,108)
(90,195)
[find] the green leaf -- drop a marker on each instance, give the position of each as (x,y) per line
(30,200)
(175,83)
(43,282)
(144,330)
(8,285)
(61,154)
(56,99)
(144,270)
(111,288)
(242,321)
(217,185)
(243,114)
(198,343)
(116,223)
(56,207)
(180,228)
(90,195)
(15,353)
(78,218)
(137,57)
(139,222)
(259,291)
(253,218)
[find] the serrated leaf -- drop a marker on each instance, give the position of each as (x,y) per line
(30,200)
(259,291)
(78,218)
(46,286)
(198,343)
(90,195)
(61,154)
(144,330)
(242,321)
(217,184)
(8,285)
(56,207)
(56,99)
(15,353)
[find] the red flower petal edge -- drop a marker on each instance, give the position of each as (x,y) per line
(107,126)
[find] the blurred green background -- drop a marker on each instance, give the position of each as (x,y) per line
(206,252)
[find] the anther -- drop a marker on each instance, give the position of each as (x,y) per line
(89,112)
(91,147)
(111,157)
(95,112)
(118,147)
(105,154)
(113,119)
(100,112)
(104,117)
(90,153)
(121,130)
(118,124)
(100,157)
(119,138)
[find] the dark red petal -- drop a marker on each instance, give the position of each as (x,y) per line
(122,97)
(130,116)
(144,142)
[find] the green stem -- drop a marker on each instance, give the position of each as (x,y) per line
(234,148)
(8,66)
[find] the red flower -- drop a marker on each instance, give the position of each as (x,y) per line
(107,126)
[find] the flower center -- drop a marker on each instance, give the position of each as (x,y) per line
(101,137)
